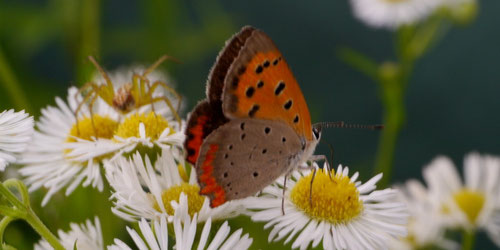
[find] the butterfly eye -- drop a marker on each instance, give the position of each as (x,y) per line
(317,133)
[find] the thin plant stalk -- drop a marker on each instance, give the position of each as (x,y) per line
(21,209)
(11,85)
(393,77)
(468,240)
(90,37)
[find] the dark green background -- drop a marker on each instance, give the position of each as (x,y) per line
(452,100)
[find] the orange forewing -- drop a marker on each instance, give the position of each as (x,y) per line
(259,86)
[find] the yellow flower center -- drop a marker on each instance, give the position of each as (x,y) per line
(335,200)
(154,125)
(97,126)
(470,202)
(195,200)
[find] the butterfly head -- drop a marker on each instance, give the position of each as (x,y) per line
(316,131)
(308,146)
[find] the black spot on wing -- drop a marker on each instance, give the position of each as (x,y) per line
(253,110)
(250,91)
(279,88)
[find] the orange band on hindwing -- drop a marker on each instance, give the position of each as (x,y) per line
(211,187)
(203,120)
(194,143)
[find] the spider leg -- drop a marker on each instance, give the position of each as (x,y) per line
(169,104)
(85,99)
(169,89)
(91,109)
(158,62)
(139,83)
(109,84)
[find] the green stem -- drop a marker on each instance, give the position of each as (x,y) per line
(359,61)
(10,196)
(3,225)
(12,86)
(22,210)
(394,117)
(10,212)
(468,240)
(21,189)
(42,230)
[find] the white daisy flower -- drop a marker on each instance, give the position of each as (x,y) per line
(392,13)
(342,212)
(472,205)
(16,129)
(424,226)
(186,236)
(48,162)
(139,189)
(87,236)
(140,130)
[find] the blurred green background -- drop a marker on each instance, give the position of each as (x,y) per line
(452,101)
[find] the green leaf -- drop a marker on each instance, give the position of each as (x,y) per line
(359,61)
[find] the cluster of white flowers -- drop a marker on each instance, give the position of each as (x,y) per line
(395,13)
(450,204)
(142,156)
(152,185)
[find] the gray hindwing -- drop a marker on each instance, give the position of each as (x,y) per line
(251,154)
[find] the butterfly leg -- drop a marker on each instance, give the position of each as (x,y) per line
(314,169)
(311,187)
(324,159)
(283,197)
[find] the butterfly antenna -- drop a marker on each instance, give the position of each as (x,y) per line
(341,124)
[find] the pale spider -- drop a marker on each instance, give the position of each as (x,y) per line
(129,96)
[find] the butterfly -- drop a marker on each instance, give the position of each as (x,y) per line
(254,126)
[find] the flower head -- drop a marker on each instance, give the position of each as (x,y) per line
(473,204)
(186,236)
(392,13)
(146,129)
(144,191)
(342,212)
(49,162)
(146,133)
(87,236)
(16,129)
(424,224)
